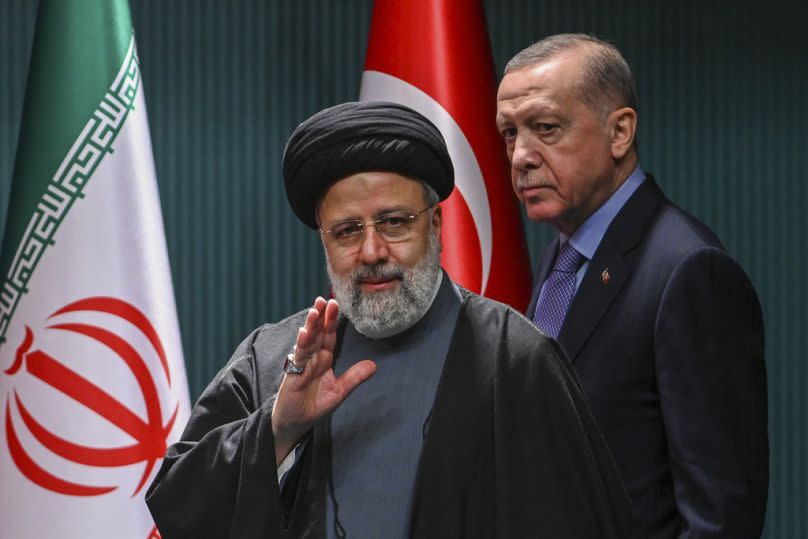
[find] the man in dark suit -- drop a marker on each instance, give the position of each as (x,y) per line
(662,326)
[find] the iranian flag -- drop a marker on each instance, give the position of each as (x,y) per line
(434,56)
(92,380)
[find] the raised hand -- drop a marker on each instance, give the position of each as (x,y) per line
(304,398)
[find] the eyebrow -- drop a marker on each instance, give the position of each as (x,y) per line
(376,215)
(501,119)
(529,112)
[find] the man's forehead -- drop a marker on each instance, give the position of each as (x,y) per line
(536,101)
(370,192)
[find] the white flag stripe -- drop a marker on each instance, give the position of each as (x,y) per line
(468,176)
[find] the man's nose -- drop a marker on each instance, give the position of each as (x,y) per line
(373,248)
(525,153)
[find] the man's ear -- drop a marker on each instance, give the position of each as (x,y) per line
(622,130)
(437,224)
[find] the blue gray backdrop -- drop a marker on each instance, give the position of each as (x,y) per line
(723,118)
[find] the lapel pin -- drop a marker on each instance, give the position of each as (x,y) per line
(605,276)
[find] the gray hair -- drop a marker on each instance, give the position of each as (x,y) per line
(430,195)
(607,81)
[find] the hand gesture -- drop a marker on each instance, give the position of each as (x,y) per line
(304,398)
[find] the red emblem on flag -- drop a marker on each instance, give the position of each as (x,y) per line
(434,56)
(150,433)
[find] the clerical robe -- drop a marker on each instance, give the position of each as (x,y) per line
(511,448)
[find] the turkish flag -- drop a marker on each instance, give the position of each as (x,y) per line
(434,56)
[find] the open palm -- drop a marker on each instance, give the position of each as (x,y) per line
(304,398)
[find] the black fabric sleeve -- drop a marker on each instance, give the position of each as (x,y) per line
(548,449)
(512,449)
(220,479)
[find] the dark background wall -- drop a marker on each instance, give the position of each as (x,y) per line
(723,118)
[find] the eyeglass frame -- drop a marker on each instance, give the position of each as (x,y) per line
(375,222)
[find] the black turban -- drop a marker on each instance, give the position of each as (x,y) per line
(362,137)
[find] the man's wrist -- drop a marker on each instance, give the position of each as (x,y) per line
(286,438)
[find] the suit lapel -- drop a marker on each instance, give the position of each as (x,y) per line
(593,297)
(610,267)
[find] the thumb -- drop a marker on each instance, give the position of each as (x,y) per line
(354,376)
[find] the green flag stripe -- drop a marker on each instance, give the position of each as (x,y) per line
(77,51)
(76,169)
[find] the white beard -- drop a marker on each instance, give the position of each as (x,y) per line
(378,315)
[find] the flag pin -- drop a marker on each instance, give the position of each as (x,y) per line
(605,276)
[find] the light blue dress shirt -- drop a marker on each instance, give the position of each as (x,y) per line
(589,235)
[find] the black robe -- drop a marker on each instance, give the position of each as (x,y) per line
(511,448)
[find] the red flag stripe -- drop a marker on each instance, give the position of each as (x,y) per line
(135,363)
(38,475)
(78,388)
(441,48)
(128,312)
(82,454)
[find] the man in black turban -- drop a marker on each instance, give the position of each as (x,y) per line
(359,137)
(463,419)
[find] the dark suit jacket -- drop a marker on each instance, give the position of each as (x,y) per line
(666,335)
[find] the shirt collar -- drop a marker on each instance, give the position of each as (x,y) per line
(589,235)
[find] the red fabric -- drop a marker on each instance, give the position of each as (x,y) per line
(442,48)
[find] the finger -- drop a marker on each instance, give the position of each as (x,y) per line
(302,344)
(306,339)
(318,363)
(331,310)
(329,338)
(320,303)
(307,362)
(315,325)
(310,336)
(319,306)
(313,317)
(354,376)
(302,353)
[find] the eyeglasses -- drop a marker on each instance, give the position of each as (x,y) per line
(392,226)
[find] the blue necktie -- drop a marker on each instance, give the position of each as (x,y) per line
(559,288)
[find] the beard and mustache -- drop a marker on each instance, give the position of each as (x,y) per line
(378,315)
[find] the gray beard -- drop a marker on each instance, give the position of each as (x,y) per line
(378,315)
